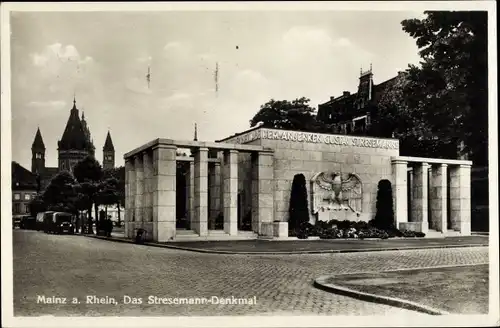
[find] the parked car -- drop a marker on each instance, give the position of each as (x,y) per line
(16,221)
(59,223)
(28,222)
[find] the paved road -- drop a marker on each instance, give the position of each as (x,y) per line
(76,266)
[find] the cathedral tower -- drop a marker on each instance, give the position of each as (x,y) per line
(38,154)
(108,153)
(74,144)
(365,88)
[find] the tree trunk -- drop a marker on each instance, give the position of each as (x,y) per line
(119,218)
(89,220)
(96,210)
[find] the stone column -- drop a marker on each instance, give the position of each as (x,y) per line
(231,192)
(262,190)
(400,191)
(420,196)
(191,195)
(200,218)
(163,190)
(439,212)
(139,189)
(186,191)
(220,157)
(409,193)
(147,199)
(129,197)
(215,185)
(460,198)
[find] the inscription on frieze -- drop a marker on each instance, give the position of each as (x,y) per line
(308,137)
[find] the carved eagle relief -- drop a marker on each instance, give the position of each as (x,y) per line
(334,191)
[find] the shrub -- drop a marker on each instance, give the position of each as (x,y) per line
(298,210)
(419,234)
(384,218)
(305,230)
(349,229)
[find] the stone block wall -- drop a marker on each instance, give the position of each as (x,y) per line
(460,198)
(163,193)
(290,158)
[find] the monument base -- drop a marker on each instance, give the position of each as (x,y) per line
(275,229)
(415,226)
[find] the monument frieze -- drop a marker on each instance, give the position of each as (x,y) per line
(317,138)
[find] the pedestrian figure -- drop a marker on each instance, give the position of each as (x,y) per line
(139,237)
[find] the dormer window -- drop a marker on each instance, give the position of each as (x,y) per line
(38,156)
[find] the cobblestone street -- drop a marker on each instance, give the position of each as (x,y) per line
(76,266)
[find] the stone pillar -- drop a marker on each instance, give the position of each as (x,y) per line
(460,198)
(147,199)
(129,197)
(186,191)
(231,192)
(215,186)
(191,194)
(420,196)
(163,190)
(262,190)
(139,189)
(439,212)
(409,193)
(200,218)
(400,191)
(220,157)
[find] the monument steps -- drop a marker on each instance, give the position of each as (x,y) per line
(434,234)
(213,235)
(453,233)
(185,232)
(438,234)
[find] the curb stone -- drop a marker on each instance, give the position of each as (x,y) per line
(327,251)
(321,283)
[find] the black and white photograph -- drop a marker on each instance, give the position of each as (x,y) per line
(249,164)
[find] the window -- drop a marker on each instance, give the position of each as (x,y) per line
(27,208)
(38,155)
(27,197)
(17,196)
(17,208)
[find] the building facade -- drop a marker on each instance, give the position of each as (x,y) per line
(24,189)
(75,144)
(353,113)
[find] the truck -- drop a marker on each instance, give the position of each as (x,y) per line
(59,223)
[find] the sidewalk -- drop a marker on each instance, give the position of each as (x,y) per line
(264,247)
(462,289)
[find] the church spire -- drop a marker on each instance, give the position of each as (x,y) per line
(38,141)
(74,101)
(108,144)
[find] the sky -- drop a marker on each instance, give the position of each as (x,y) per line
(103,57)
